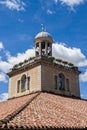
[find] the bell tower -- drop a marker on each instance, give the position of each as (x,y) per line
(43,44)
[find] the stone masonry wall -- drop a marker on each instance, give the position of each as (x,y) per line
(42,78)
(35,82)
(48,81)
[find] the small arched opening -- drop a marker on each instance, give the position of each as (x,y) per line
(23,83)
(61,81)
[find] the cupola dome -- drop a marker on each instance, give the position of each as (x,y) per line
(43,36)
(43,44)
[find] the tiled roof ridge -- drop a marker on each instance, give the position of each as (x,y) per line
(12,115)
(65,96)
(21,96)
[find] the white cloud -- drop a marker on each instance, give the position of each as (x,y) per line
(5,66)
(21,56)
(72,2)
(3,77)
(56,1)
(3,97)
(83,77)
(48,4)
(50,11)
(13,4)
(73,55)
(60,51)
(20,20)
(1,45)
(83,96)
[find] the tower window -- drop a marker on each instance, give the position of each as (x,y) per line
(18,86)
(37,44)
(43,48)
(61,81)
(55,81)
(67,84)
(23,83)
(28,83)
(43,45)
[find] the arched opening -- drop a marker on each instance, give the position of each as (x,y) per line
(23,83)
(49,49)
(43,48)
(37,49)
(61,81)
(28,83)
(18,86)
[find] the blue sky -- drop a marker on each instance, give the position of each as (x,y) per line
(20,21)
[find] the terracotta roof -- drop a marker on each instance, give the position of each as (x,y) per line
(43,111)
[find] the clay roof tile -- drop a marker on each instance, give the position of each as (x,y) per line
(44,111)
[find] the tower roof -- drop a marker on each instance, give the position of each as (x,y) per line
(43,111)
(44,35)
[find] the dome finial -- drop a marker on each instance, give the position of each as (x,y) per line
(43,27)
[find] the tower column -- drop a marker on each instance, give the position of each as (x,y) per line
(35,50)
(51,50)
(46,48)
(40,50)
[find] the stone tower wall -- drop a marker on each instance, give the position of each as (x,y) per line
(35,82)
(48,80)
(42,78)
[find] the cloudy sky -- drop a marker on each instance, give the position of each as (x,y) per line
(20,21)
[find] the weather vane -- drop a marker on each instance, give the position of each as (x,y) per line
(43,27)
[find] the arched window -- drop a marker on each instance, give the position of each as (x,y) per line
(28,83)
(61,81)
(67,84)
(18,86)
(43,48)
(23,83)
(55,81)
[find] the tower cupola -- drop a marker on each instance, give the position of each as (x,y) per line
(43,42)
